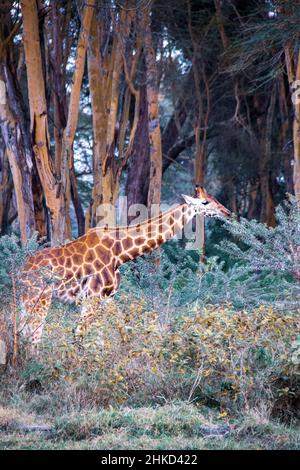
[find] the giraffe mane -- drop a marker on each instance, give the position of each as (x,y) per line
(134,226)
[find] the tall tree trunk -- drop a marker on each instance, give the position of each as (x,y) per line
(293,70)
(39,121)
(55,179)
(18,156)
(12,65)
(137,184)
(98,76)
(110,114)
(267,214)
(60,108)
(6,189)
(67,158)
(153,114)
(201,119)
(284,134)
(111,169)
(58,76)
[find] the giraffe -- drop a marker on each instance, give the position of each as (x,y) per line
(89,266)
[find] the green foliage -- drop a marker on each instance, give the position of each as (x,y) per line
(13,256)
(227,359)
(262,267)
(169,420)
(268,249)
(166,284)
(269,258)
(263,37)
(182,330)
(175,425)
(296,351)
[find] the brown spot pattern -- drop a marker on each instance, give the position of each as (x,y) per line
(77,259)
(127,243)
(140,241)
(90,263)
(90,256)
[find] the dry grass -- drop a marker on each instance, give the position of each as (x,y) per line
(209,379)
(173,426)
(11,419)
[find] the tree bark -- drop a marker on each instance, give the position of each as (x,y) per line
(39,121)
(18,156)
(67,158)
(6,189)
(267,214)
(111,169)
(284,134)
(110,117)
(293,70)
(55,179)
(153,114)
(201,120)
(59,92)
(137,184)
(98,76)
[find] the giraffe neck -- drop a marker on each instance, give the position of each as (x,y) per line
(167,224)
(139,239)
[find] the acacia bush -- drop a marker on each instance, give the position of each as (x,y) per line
(224,337)
(12,258)
(269,256)
(257,265)
(217,356)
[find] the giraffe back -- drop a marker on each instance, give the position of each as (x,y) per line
(84,267)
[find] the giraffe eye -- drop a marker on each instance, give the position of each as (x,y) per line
(204,203)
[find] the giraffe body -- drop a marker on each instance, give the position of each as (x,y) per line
(89,266)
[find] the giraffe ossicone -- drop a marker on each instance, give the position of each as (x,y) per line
(89,266)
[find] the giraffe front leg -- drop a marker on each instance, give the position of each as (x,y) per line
(33,320)
(86,317)
(96,291)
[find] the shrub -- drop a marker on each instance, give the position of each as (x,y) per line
(264,269)
(228,359)
(185,330)
(178,419)
(270,257)
(12,258)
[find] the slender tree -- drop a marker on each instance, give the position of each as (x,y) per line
(153,113)
(56,186)
(18,153)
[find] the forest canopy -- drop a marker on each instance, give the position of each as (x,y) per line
(149,224)
(145,98)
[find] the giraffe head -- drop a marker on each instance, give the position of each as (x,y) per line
(205,204)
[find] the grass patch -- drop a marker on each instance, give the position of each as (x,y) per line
(173,426)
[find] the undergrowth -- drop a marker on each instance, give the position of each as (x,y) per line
(213,336)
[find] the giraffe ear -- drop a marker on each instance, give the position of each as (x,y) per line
(188,199)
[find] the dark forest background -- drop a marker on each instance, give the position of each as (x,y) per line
(211,84)
(138,98)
